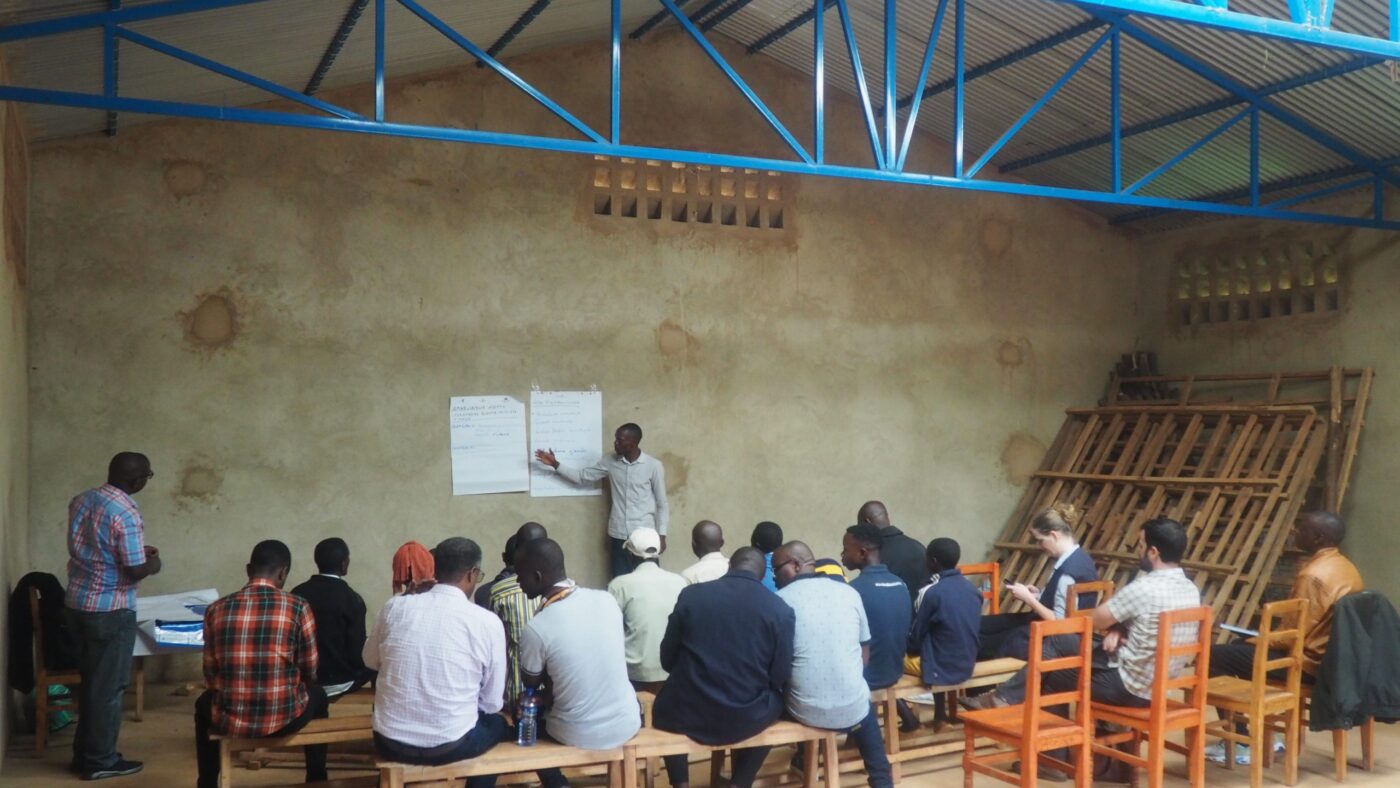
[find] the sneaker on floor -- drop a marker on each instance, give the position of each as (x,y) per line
(1241,755)
(119,769)
(987,700)
(1215,753)
(924,698)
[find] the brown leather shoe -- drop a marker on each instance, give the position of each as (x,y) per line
(987,700)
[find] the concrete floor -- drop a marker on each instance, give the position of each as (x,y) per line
(164,741)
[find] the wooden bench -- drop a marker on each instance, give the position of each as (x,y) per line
(328,731)
(505,758)
(650,743)
(986,673)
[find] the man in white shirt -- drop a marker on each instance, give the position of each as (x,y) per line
(442,668)
(638,483)
(706,541)
(646,596)
(573,647)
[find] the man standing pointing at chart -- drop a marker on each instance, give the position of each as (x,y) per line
(638,483)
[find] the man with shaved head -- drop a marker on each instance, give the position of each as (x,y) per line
(902,554)
(728,647)
(574,649)
(831,645)
(706,541)
(514,608)
(1325,577)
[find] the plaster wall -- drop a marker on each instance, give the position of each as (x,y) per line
(278,319)
(1361,334)
(14,387)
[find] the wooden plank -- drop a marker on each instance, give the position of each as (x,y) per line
(1178,481)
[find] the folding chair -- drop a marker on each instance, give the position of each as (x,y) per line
(1266,708)
(1028,728)
(1165,715)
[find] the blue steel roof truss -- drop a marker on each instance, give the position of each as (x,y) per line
(1112,22)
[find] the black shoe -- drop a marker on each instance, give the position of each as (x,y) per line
(908,720)
(119,769)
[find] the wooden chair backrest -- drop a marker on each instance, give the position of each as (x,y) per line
(1192,681)
(1102,588)
(1283,626)
(993,592)
(37,627)
(1037,665)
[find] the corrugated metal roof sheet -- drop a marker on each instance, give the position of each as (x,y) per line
(283,40)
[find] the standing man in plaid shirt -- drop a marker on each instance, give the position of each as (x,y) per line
(107,557)
(259,665)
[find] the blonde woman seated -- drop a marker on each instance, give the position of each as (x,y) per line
(1008,634)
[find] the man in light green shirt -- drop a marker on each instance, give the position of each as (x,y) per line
(647,596)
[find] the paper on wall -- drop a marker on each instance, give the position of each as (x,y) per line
(488,445)
(569,423)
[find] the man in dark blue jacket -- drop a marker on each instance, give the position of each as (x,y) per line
(886,601)
(944,634)
(728,649)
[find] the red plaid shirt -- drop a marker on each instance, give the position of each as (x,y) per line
(259,658)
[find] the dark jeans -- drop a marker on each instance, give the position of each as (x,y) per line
(620,561)
(1105,683)
(1005,635)
(490,730)
(1237,659)
(744,766)
(1013,690)
(207,749)
(104,662)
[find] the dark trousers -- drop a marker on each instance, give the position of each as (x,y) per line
(207,749)
(1237,659)
(1105,683)
(104,662)
(1013,690)
(490,730)
(872,750)
(620,561)
(744,766)
(1005,635)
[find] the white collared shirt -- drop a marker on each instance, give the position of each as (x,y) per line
(441,662)
(638,491)
(711,566)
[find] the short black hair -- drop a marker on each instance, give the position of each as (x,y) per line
(867,536)
(767,536)
(127,465)
(632,429)
(1168,536)
(269,556)
(331,554)
(946,552)
(454,557)
(1328,526)
(511,545)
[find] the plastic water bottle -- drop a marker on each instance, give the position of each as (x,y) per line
(527,732)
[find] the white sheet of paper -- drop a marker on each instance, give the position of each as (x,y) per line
(570,423)
(166,607)
(488,445)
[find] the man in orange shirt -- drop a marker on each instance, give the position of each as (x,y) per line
(1324,578)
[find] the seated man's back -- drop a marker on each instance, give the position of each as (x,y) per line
(259,658)
(646,596)
(1137,606)
(728,647)
(340,618)
(827,688)
(944,634)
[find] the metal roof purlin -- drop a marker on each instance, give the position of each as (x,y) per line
(531,14)
(975,116)
(342,34)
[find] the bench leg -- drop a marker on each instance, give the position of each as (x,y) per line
(833,762)
(809,763)
(615,776)
(717,767)
(1368,744)
(391,778)
(892,735)
(629,768)
(225,765)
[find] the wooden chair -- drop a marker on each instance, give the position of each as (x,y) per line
(1266,708)
(44,678)
(993,593)
(1028,728)
(1165,715)
(1102,589)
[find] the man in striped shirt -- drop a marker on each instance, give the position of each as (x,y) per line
(515,610)
(107,557)
(259,665)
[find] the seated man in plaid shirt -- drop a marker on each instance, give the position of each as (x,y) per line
(259,665)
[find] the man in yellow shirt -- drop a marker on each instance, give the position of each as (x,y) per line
(1324,578)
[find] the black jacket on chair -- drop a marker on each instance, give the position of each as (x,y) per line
(60,643)
(1360,674)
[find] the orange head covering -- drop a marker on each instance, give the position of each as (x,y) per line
(413,568)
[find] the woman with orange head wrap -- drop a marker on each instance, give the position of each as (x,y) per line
(413,569)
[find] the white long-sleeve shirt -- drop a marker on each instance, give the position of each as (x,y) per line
(638,491)
(441,662)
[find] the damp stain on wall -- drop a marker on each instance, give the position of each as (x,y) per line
(213,322)
(1021,456)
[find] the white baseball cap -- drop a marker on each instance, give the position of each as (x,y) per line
(644,543)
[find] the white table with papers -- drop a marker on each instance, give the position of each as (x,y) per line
(187,608)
